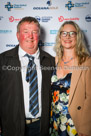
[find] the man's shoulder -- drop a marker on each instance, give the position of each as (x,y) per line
(46,58)
(9,52)
(46,54)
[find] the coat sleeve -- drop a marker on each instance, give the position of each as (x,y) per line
(85,126)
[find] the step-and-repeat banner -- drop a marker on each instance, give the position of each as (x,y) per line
(50,14)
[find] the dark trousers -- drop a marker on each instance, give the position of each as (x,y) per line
(33,129)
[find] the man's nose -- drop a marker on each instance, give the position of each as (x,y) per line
(30,34)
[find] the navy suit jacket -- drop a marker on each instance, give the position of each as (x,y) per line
(12,111)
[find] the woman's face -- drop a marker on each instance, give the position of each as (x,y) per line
(68,36)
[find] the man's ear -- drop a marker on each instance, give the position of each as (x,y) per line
(17,35)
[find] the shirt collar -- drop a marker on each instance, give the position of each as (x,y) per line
(22,53)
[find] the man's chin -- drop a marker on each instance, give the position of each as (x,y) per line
(32,50)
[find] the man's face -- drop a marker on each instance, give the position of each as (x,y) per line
(28,37)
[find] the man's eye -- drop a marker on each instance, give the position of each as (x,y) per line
(35,32)
(25,32)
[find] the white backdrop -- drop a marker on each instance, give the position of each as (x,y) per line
(50,13)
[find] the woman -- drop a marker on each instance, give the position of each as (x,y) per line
(70,82)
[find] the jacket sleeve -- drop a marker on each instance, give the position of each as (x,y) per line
(85,126)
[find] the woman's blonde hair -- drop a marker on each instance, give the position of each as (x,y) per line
(81,50)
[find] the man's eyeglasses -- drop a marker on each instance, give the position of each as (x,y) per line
(71,34)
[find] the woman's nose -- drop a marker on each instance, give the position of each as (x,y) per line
(68,35)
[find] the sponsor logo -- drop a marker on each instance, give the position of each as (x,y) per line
(61,19)
(81,5)
(9,6)
(44,18)
(10,45)
(71,5)
(49,7)
(49,2)
(84,31)
(88,18)
(49,44)
(41,43)
(46,43)
(53,31)
(5,31)
(12,19)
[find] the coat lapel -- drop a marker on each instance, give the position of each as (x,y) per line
(74,80)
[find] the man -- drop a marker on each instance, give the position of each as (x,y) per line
(16,118)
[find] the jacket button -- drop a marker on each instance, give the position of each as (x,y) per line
(79,107)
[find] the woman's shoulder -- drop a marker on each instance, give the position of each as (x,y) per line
(88,61)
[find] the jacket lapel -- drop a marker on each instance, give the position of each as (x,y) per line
(74,80)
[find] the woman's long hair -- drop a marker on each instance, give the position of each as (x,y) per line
(81,50)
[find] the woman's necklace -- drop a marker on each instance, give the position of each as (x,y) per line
(65,62)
